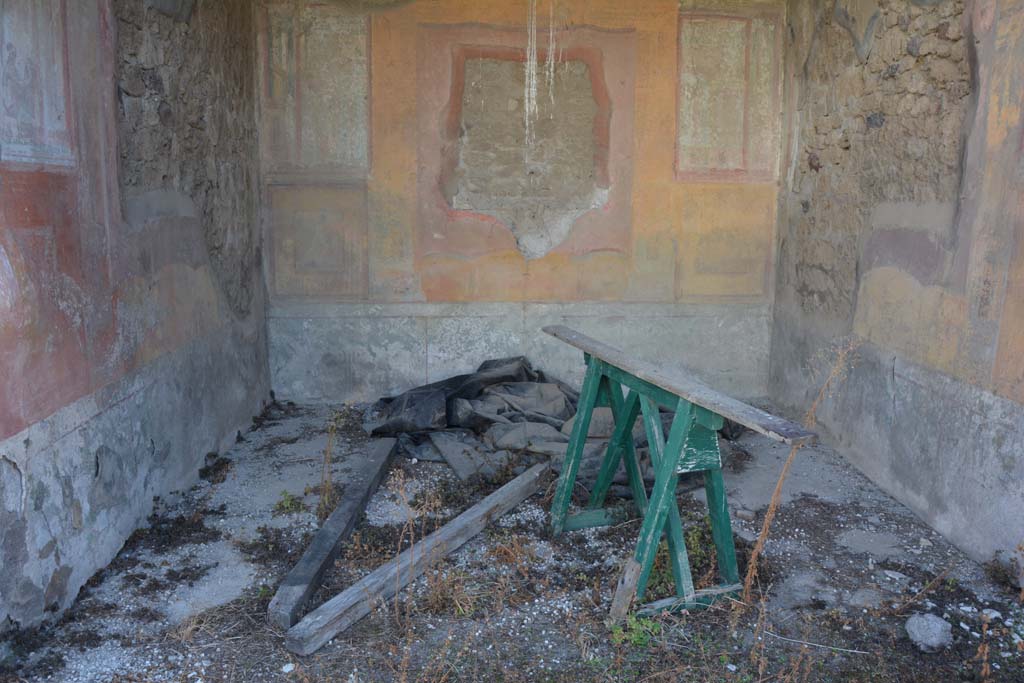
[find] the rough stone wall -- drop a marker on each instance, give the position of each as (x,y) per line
(186,87)
(879,147)
(901,216)
(537,189)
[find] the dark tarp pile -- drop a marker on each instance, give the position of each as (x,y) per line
(504,416)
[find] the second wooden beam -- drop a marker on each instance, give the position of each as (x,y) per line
(304,578)
(359,599)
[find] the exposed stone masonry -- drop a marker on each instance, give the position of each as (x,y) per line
(885,130)
(186,94)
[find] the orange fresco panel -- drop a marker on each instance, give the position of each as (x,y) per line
(319,241)
(641,243)
(1008,373)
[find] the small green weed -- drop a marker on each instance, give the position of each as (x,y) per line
(288,504)
(700,547)
(661,583)
(638,632)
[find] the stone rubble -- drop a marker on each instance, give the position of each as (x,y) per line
(929,632)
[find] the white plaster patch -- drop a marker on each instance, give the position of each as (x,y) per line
(8,285)
(12,486)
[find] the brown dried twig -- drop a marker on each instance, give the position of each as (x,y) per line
(983,652)
(838,371)
(923,592)
(327,502)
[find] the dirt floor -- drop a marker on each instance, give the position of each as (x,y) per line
(185,600)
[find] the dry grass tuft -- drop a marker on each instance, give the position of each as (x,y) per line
(448,593)
(985,670)
(187,631)
(327,494)
(757,653)
(515,552)
(898,609)
(799,668)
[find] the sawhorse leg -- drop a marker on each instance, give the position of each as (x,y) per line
(625,412)
(721,527)
(721,532)
(663,494)
(574,451)
(676,542)
(692,445)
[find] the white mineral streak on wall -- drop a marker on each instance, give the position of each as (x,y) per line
(530,81)
(549,64)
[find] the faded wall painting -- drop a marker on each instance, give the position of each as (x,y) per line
(33,100)
(539,181)
(728,122)
(88,295)
(314,118)
(319,240)
(498,190)
(459,151)
(43,279)
(315,100)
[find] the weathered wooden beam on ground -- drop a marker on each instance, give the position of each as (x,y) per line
(359,599)
(304,578)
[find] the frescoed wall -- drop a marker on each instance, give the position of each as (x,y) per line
(457,165)
(131,304)
(902,232)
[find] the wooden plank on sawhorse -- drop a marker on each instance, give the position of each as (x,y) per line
(635,389)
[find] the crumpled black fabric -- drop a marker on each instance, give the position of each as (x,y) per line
(429,407)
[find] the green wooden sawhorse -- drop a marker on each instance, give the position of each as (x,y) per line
(691,446)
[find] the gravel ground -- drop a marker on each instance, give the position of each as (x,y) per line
(845,566)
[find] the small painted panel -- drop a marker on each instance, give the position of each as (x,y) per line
(729,252)
(278,96)
(314,99)
(712,87)
(333,88)
(33,106)
(728,97)
(320,241)
(762,107)
(726,246)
